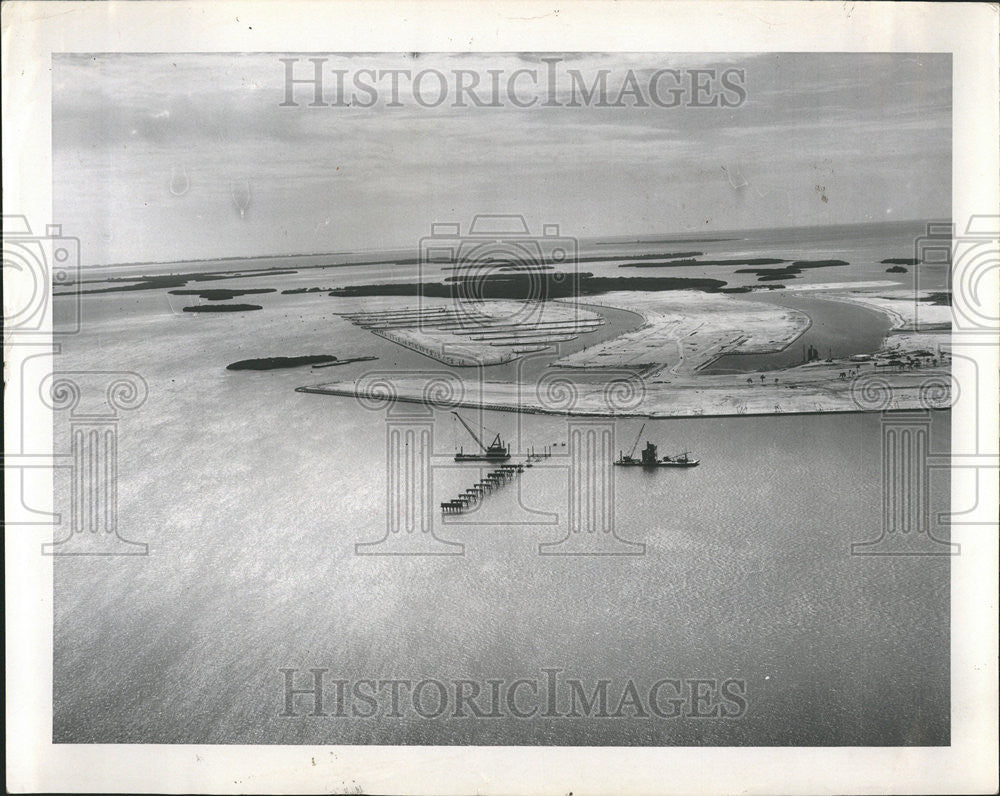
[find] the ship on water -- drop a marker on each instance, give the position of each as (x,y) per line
(648,457)
(496,451)
(680,460)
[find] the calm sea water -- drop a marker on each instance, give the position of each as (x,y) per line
(252,498)
(837,330)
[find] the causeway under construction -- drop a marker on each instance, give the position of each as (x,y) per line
(497,478)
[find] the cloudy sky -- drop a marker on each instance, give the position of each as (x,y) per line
(166,157)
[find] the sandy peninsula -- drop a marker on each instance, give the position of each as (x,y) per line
(478,333)
(658,369)
(685,330)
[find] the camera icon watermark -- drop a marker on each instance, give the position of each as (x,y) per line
(42,301)
(487,297)
(35,266)
(972,263)
(495,295)
(499,258)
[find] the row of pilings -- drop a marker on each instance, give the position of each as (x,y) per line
(493,481)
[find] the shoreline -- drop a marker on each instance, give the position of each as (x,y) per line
(685,332)
(701,368)
(824,392)
(533,410)
(658,369)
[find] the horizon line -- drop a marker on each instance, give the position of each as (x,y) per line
(635,237)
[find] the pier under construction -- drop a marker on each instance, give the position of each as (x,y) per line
(494,480)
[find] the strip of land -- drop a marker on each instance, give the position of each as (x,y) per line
(223,308)
(478,333)
(822,387)
(659,367)
(907,311)
(686,330)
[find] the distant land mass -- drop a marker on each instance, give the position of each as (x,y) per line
(407,253)
(536,286)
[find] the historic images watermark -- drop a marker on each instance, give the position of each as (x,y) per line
(908,461)
(551,693)
(976,314)
(93,401)
(33,266)
(88,402)
(974,258)
(549,82)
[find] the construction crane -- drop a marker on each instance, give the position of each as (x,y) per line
(637,438)
(622,458)
(496,451)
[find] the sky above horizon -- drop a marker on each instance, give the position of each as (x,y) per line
(192,156)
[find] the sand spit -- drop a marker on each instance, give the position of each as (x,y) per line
(871,284)
(907,311)
(819,387)
(686,330)
(470,333)
(657,369)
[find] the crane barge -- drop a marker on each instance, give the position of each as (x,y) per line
(630,460)
(496,451)
(648,457)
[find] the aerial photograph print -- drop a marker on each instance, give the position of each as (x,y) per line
(502,398)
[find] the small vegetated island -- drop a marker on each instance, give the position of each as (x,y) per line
(277,363)
(896,264)
(223,308)
(791,271)
(220,294)
(528,287)
(121,284)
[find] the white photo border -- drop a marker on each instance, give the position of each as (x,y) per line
(34,31)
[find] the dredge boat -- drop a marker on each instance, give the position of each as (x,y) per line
(648,457)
